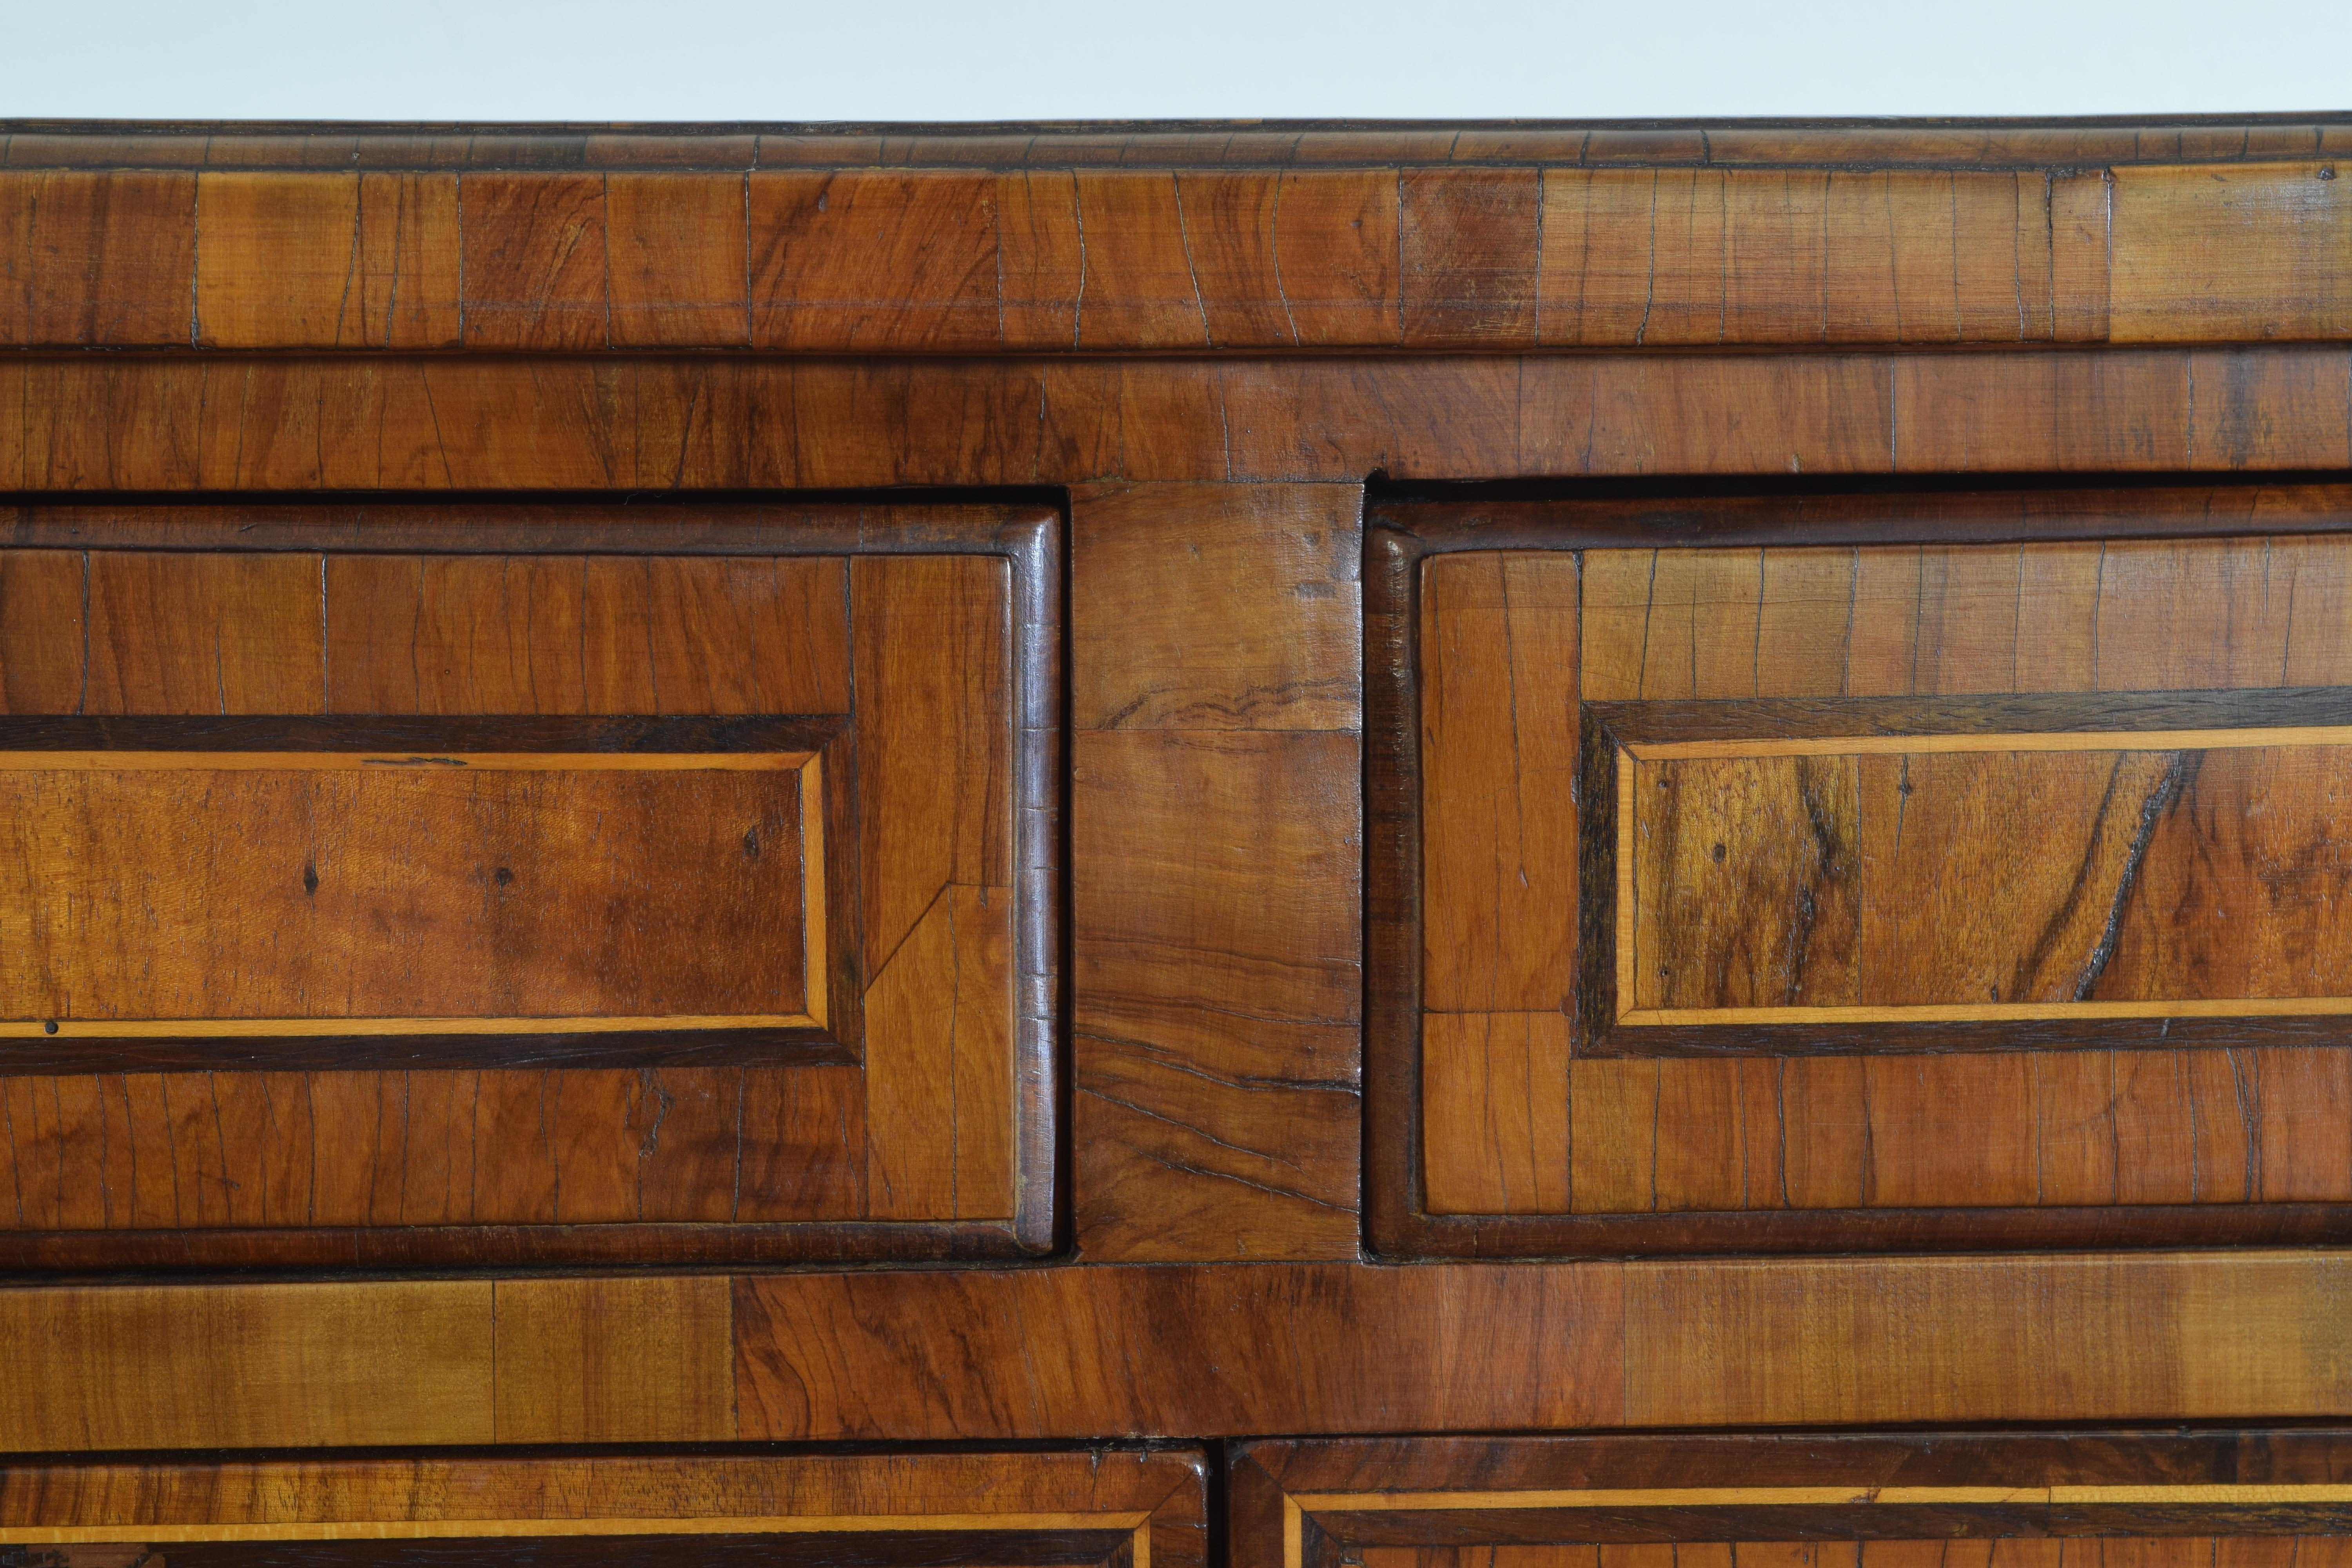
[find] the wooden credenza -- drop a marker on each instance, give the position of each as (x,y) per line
(1558,846)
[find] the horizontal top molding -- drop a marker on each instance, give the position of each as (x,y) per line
(1908,144)
(1289,256)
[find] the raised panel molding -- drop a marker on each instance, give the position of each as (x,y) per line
(543,884)
(1969,878)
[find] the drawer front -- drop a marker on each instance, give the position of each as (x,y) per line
(1789,894)
(2248,1500)
(1096,1509)
(525,884)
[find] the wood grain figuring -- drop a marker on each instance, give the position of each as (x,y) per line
(321,261)
(515,427)
(571,1364)
(2241,926)
(919,1131)
(1070,1508)
(1324,1347)
(1217,687)
(1803,891)
(676,260)
(2194,267)
(427,423)
(934,734)
(1536,1347)
(1494,1112)
(2140,1496)
(1233,948)
(860,258)
(822,238)
(1273,569)
(1498,755)
(2116,616)
(441,892)
(221,634)
(1317,1347)
(103,260)
(536,261)
(940,1127)
(308,1365)
(1468,269)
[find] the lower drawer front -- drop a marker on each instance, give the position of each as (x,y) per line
(2072,1499)
(1115,1508)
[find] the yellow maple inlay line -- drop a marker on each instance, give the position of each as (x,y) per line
(1997,1012)
(435,762)
(465,1529)
(1625,893)
(306,1028)
(809,764)
(814,908)
(1817,1496)
(2050,741)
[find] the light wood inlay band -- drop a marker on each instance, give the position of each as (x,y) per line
(467,1529)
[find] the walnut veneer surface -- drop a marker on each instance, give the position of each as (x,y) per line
(1137,830)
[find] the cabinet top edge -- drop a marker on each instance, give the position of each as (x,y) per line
(1956,144)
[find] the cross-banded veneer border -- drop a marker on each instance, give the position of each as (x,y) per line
(1402,531)
(1023,533)
(1315,1502)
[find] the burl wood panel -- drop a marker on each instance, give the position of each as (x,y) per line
(620,892)
(1991,884)
(2166,1499)
(1091,1507)
(2095,980)
(476,888)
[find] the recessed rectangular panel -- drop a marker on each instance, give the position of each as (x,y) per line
(159,893)
(1889,891)
(1784,895)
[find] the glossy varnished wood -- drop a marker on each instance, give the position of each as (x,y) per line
(2162,1497)
(429,423)
(901,1106)
(1121,1507)
(1317,240)
(1217,948)
(1161,1351)
(1737,862)
(274,918)
(1214,344)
